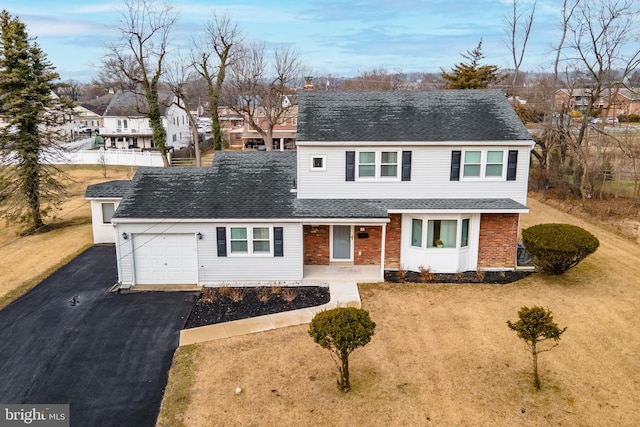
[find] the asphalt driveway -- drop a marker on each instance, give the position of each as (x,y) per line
(108,356)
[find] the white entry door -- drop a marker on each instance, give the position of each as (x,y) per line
(165,259)
(342,243)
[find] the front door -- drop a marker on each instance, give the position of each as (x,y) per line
(341,244)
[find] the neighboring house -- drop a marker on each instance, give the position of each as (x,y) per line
(380,180)
(232,126)
(623,102)
(126,124)
(283,131)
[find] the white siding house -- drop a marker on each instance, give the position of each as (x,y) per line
(381,180)
(125,124)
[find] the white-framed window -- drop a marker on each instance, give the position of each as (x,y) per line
(464,233)
(416,232)
(250,240)
(318,163)
(483,164)
(439,233)
(123,124)
(377,164)
(294,121)
(107,212)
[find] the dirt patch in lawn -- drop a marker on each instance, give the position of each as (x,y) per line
(28,259)
(443,355)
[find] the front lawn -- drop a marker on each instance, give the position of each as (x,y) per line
(441,355)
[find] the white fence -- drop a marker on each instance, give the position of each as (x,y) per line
(107,157)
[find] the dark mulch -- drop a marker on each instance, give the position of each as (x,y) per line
(495,277)
(224,309)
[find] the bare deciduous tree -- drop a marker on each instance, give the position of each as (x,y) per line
(602,39)
(377,79)
(518,36)
(138,58)
(224,37)
(258,88)
(178,77)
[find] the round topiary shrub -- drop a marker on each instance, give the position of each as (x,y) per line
(558,247)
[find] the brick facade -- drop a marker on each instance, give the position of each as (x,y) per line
(367,250)
(317,241)
(392,244)
(498,237)
(316,244)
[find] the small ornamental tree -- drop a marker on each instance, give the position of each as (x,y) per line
(558,247)
(342,330)
(535,326)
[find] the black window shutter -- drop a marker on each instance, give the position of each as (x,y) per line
(455,165)
(351,166)
(278,243)
(512,166)
(406,165)
(221,233)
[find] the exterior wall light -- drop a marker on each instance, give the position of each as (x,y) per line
(125,236)
(199,235)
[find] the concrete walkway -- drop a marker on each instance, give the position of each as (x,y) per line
(342,295)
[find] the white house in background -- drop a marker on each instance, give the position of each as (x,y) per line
(380,181)
(126,126)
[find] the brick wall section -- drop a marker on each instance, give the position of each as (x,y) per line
(498,241)
(316,245)
(392,245)
(367,250)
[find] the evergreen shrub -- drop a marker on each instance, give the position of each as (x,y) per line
(558,247)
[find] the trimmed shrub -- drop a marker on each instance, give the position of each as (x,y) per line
(624,118)
(558,247)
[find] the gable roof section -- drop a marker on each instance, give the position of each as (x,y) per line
(108,190)
(447,115)
(240,185)
(130,104)
(98,105)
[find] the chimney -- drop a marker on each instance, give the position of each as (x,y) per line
(307,84)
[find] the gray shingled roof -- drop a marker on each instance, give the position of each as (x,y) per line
(127,103)
(245,185)
(108,190)
(378,208)
(447,115)
(98,105)
(239,185)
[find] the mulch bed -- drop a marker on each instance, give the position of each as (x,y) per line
(495,277)
(208,311)
(217,306)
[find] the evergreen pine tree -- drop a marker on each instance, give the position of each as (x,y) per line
(29,186)
(472,75)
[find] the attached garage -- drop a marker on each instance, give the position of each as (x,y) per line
(169,259)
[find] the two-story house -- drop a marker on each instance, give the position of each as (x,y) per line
(618,102)
(125,124)
(380,181)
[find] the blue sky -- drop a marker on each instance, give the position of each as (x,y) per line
(335,37)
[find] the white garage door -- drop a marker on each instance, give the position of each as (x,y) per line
(161,259)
